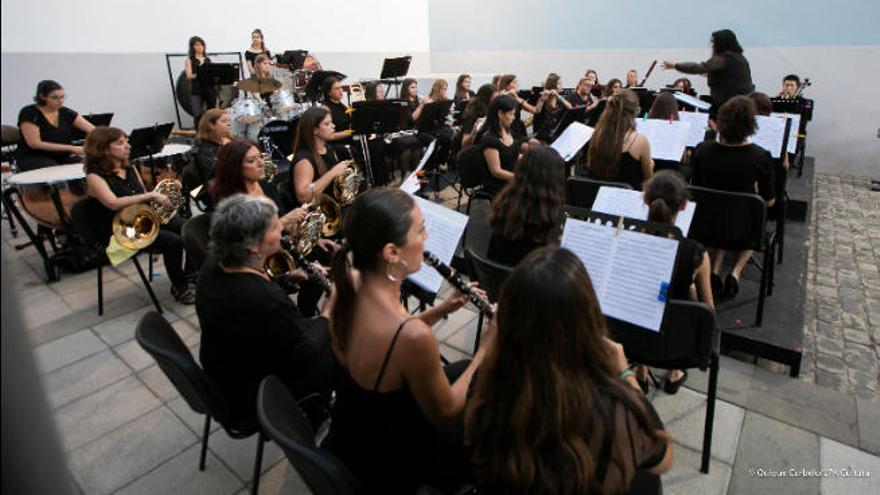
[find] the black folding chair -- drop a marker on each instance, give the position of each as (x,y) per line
(196,236)
(159,339)
(581,191)
(471,165)
(491,276)
(92,220)
(736,222)
(284,422)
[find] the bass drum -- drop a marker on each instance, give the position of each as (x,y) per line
(280,133)
(182,92)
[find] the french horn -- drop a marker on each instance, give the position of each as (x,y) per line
(137,226)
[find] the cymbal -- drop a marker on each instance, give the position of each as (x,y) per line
(260,85)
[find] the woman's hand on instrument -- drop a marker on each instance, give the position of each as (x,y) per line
(339,168)
(295,216)
(161,199)
(327,245)
(77,150)
(456,299)
(299,275)
(668,64)
(618,357)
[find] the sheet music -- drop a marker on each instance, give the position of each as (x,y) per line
(692,101)
(445,228)
(699,122)
(411,184)
(668,138)
(572,139)
(630,271)
(793,131)
(769,134)
(631,204)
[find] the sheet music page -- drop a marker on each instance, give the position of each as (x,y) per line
(699,122)
(769,134)
(692,101)
(572,139)
(793,131)
(638,281)
(411,184)
(668,138)
(592,243)
(631,204)
(445,228)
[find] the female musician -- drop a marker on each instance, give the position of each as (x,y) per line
(500,149)
(554,408)
(393,391)
(617,152)
(665,107)
(339,111)
(613,88)
(684,85)
(200,94)
(315,165)
(408,148)
(666,194)
(250,327)
(733,164)
(582,96)
(434,126)
(215,130)
(524,213)
(47,130)
(509,85)
(475,113)
(632,79)
(598,89)
(549,109)
(728,70)
(116,184)
(463,93)
(496,80)
(257,48)
(374,91)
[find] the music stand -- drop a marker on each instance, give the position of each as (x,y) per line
(394,68)
(594,114)
(313,89)
(96,119)
(576,114)
(376,117)
(147,141)
(646,98)
(434,116)
(218,75)
(294,59)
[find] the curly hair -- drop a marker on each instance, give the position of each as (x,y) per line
(527,206)
(736,119)
(240,222)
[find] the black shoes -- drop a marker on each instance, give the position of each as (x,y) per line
(671,387)
(731,287)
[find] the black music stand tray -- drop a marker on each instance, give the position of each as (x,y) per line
(394,68)
(147,141)
(218,75)
(376,117)
(294,59)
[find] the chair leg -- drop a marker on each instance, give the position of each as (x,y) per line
(762,290)
(150,265)
(205,434)
(147,284)
(258,464)
(100,290)
(710,414)
(780,230)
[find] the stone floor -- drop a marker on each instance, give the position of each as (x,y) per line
(126,430)
(842,313)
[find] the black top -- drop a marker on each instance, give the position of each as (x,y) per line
(29,158)
(729,75)
(546,120)
(329,158)
(383,437)
(194,86)
(510,252)
(252,329)
(508,156)
(252,56)
(518,127)
(338,112)
(204,153)
(733,168)
(576,100)
(687,260)
(629,171)
(459,100)
(129,186)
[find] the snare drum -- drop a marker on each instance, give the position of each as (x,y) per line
(247,110)
(282,102)
(38,189)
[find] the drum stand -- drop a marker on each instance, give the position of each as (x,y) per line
(43,234)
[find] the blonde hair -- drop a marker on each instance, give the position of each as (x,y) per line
(206,125)
(437,91)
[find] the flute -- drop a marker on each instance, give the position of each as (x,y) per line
(455,279)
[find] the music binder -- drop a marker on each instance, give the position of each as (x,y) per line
(218,74)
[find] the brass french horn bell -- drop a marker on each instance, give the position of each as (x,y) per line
(137,226)
(347,185)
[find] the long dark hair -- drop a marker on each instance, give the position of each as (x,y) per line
(404,90)
(492,125)
(479,105)
(664,194)
(305,134)
(664,107)
(548,386)
(606,146)
(725,41)
(527,206)
(44,89)
(97,143)
(192,46)
(377,217)
(460,91)
(262,39)
(227,171)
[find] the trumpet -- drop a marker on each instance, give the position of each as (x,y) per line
(137,226)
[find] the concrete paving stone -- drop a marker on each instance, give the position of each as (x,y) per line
(282,478)
(833,381)
(192,419)
(452,354)
(88,298)
(734,380)
(238,454)
(134,355)
(53,355)
(122,456)
(181,474)
(684,415)
(828,362)
(446,327)
(847,470)
(90,417)
(869,424)
(158,383)
(829,346)
(685,478)
(85,318)
(857,335)
(860,357)
(862,379)
(817,409)
(121,329)
(84,377)
(48,311)
(464,338)
(186,332)
(768,447)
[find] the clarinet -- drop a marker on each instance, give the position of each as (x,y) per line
(312,270)
(455,279)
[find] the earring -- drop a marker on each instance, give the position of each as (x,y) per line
(391,277)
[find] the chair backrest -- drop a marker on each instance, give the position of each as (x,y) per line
(489,274)
(471,166)
(9,135)
(196,236)
(728,220)
(159,339)
(582,191)
(92,221)
(687,337)
(283,421)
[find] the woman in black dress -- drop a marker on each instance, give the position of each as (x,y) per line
(201,93)
(315,164)
(47,130)
(500,148)
(617,152)
(257,48)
